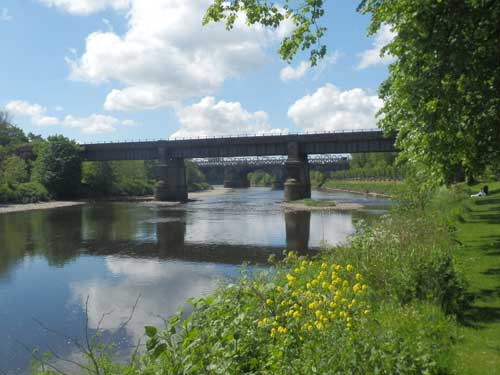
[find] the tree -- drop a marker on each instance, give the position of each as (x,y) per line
(10,134)
(13,170)
(441,96)
(58,167)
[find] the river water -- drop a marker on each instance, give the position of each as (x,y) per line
(57,264)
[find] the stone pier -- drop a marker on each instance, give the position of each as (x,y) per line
(171,185)
(235,178)
(279,179)
(297,184)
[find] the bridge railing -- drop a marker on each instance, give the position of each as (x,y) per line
(239,136)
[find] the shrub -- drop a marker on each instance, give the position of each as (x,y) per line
(7,194)
(312,317)
(31,192)
(407,256)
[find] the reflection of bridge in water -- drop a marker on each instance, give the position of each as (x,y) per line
(170,243)
(235,170)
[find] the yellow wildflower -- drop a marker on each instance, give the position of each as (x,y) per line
(348,268)
(269,301)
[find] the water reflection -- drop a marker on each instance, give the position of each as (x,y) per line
(51,261)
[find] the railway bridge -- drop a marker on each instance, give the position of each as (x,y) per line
(235,170)
(171,185)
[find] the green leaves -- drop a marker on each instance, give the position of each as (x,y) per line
(304,15)
(442,92)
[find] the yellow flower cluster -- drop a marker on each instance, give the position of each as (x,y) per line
(314,296)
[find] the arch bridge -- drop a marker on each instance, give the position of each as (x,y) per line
(172,186)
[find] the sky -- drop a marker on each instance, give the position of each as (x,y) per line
(114,70)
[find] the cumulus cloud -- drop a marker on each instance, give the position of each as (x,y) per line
(373,56)
(166,56)
(330,109)
(35,112)
(209,118)
(289,73)
(5,15)
(85,7)
(93,124)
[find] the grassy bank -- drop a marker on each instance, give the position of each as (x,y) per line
(478,230)
(364,186)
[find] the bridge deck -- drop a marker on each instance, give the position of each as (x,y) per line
(265,145)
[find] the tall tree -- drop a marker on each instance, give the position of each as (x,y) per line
(441,96)
(59,167)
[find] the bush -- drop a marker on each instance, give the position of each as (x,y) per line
(310,317)
(7,193)
(31,192)
(406,257)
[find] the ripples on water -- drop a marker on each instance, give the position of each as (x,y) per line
(51,261)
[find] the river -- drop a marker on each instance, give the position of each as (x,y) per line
(56,264)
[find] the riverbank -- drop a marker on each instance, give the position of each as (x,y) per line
(478,230)
(9,208)
(316,205)
(382,189)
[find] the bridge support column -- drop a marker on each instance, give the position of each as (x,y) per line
(235,178)
(279,180)
(171,185)
(297,185)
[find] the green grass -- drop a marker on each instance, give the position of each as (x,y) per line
(479,257)
(365,186)
(316,203)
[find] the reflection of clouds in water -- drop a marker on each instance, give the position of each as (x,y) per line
(243,228)
(163,288)
(332,228)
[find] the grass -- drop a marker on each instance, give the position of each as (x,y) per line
(478,230)
(316,203)
(365,186)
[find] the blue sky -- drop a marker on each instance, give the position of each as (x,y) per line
(101,70)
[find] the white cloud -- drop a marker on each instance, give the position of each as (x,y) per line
(85,7)
(36,112)
(372,56)
(4,15)
(93,124)
(96,124)
(167,56)
(209,118)
(330,109)
(290,73)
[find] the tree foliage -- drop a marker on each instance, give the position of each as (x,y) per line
(58,167)
(304,15)
(441,96)
(13,170)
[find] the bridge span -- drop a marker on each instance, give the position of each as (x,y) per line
(235,170)
(172,186)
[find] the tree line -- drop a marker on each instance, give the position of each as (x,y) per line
(35,169)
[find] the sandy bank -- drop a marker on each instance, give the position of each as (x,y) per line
(371,194)
(8,208)
(198,195)
(290,206)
